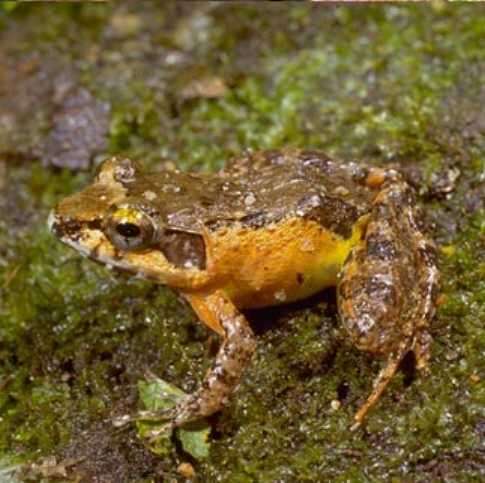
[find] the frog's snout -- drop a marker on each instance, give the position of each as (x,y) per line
(53,224)
(63,229)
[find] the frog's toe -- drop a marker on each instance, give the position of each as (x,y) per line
(422,352)
(155,434)
(156,416)
(148,416)
(123,420)
(356,425)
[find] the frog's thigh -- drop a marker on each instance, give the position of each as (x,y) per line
(387,288)
(369,307)
(237,347)
(373,292)
(202,306)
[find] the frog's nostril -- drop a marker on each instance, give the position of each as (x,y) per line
(54,224)
(62,228)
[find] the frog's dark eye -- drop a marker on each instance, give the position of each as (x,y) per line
(130,229)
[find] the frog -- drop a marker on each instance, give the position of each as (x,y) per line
(270,228)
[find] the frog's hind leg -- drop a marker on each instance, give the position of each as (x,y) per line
(380,382)
(420,346)
(388,287)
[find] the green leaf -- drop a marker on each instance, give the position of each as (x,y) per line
(195,440)
(158,395)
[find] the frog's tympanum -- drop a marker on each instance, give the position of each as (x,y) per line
(272,227)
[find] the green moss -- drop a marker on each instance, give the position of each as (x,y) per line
(9,6)
(136,124)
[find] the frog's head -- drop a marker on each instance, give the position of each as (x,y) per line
(111,222)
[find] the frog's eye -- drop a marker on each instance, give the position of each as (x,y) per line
(130,229)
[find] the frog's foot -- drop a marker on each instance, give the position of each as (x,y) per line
(420,347)
(154,416)
(237,347)
(388,288)
(422,343)
(164,422)
(380,382)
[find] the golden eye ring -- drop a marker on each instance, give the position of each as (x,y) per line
(129,229)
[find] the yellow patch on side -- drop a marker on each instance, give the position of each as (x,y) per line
(278,263)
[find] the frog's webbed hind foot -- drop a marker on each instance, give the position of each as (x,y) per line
(388,288)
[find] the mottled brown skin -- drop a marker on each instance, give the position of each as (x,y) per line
(273,227)
(389,286)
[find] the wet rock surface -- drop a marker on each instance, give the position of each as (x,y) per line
(79,130)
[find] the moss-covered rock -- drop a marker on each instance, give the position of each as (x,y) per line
(392,85)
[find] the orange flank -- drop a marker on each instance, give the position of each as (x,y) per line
(279,263)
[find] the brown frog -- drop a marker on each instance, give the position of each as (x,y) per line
(271,228)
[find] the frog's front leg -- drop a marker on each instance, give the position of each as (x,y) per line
(388,287)
(238,345)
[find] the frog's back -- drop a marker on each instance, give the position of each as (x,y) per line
(281,184)
(262,188)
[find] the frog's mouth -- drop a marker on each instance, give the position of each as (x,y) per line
(160,263)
